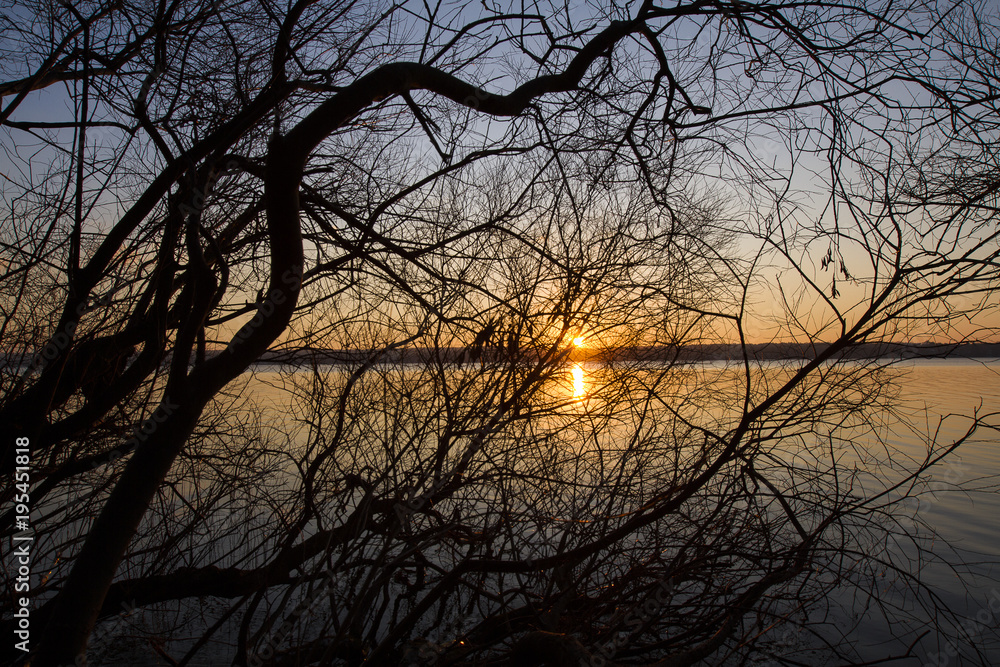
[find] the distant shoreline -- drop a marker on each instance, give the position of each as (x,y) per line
(685,354)
(690,353)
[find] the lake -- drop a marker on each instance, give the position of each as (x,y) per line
(959,529)
(956,526)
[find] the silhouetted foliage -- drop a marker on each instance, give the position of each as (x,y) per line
(453,194)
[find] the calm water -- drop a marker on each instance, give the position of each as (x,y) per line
(960,529)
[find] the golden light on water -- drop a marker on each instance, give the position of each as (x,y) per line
(578,387)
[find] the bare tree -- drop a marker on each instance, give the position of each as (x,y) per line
(448,197)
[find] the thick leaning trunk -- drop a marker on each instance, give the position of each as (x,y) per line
(77,606)
(79,602)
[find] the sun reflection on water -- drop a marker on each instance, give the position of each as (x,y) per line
(578,386)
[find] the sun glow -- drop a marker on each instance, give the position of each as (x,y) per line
(578,341)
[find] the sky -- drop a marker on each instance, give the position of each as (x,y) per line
(766,294)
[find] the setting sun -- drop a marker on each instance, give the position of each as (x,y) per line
(578,341)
